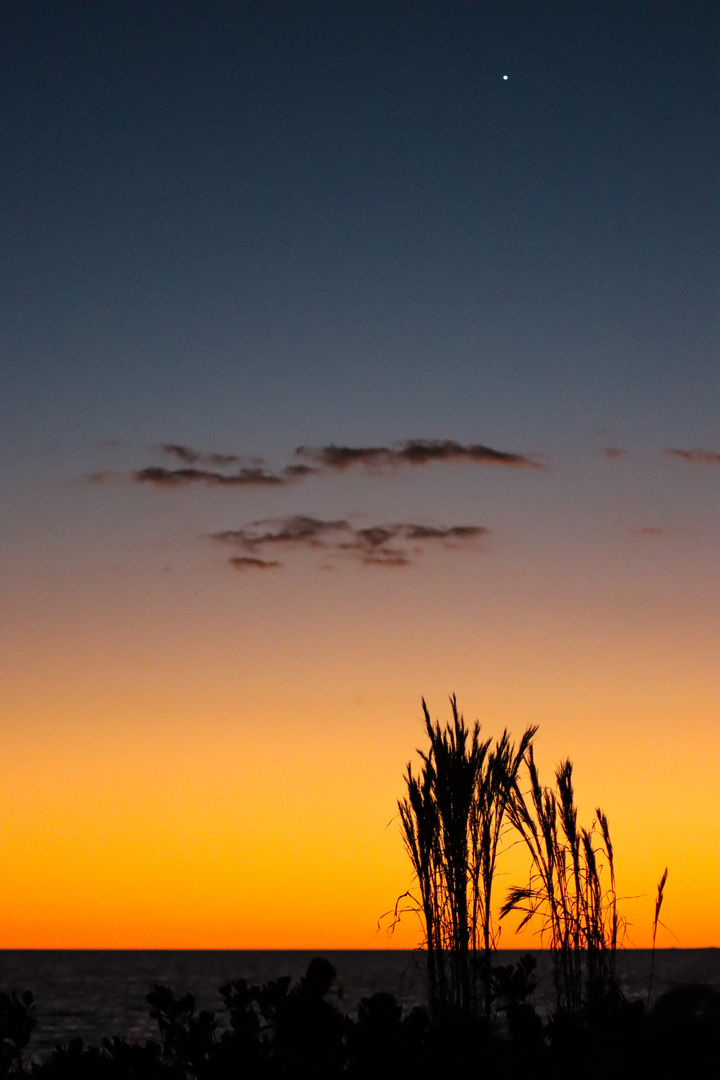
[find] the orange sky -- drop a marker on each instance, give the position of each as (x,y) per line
(208,759)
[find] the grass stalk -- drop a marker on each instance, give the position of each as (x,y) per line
(658,906)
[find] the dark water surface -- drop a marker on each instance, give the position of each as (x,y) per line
(102,993)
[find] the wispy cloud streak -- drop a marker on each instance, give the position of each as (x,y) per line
(396,544)
(246,562)
(175,478)
(413,452)
(189,456)
(694,457)
(296,530)
(211,469)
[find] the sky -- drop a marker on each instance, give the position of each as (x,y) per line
(350,353)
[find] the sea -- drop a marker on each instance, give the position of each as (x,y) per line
(98,993)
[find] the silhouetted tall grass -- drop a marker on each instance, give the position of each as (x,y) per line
(453,817)
(452,820)
(571,887)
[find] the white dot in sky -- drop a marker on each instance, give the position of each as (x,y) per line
(505,78)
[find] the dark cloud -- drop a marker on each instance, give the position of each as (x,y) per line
(393,545)
(209,469)
(245,562)
(189,456)
(455,532)
(172,478)
(612,452)
(184,453)
(386,557)
(378,545)
(695,457)
(413,452)
(376,536)
(297,472)
(298,530)
(222,459)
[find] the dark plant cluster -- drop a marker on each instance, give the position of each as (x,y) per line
(283,1032)
(472,798)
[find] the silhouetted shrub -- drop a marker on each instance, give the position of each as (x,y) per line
(682,1035)
(279,1032)
(17,1021)
(309,1031)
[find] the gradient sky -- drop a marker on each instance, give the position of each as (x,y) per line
(336,370)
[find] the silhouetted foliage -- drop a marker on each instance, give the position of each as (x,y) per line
(16,1025)
(309,1030)
(452,820)
(283,1032)
(566,892)
(455,812)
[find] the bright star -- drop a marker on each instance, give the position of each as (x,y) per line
(505,78)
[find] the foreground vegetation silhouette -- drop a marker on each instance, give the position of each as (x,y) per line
(282,1032)
(481,1019)
(468,794)
(452,819)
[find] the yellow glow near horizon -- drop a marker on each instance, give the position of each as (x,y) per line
(281,836)
(219,767)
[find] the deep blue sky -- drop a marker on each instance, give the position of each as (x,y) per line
(250,225)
